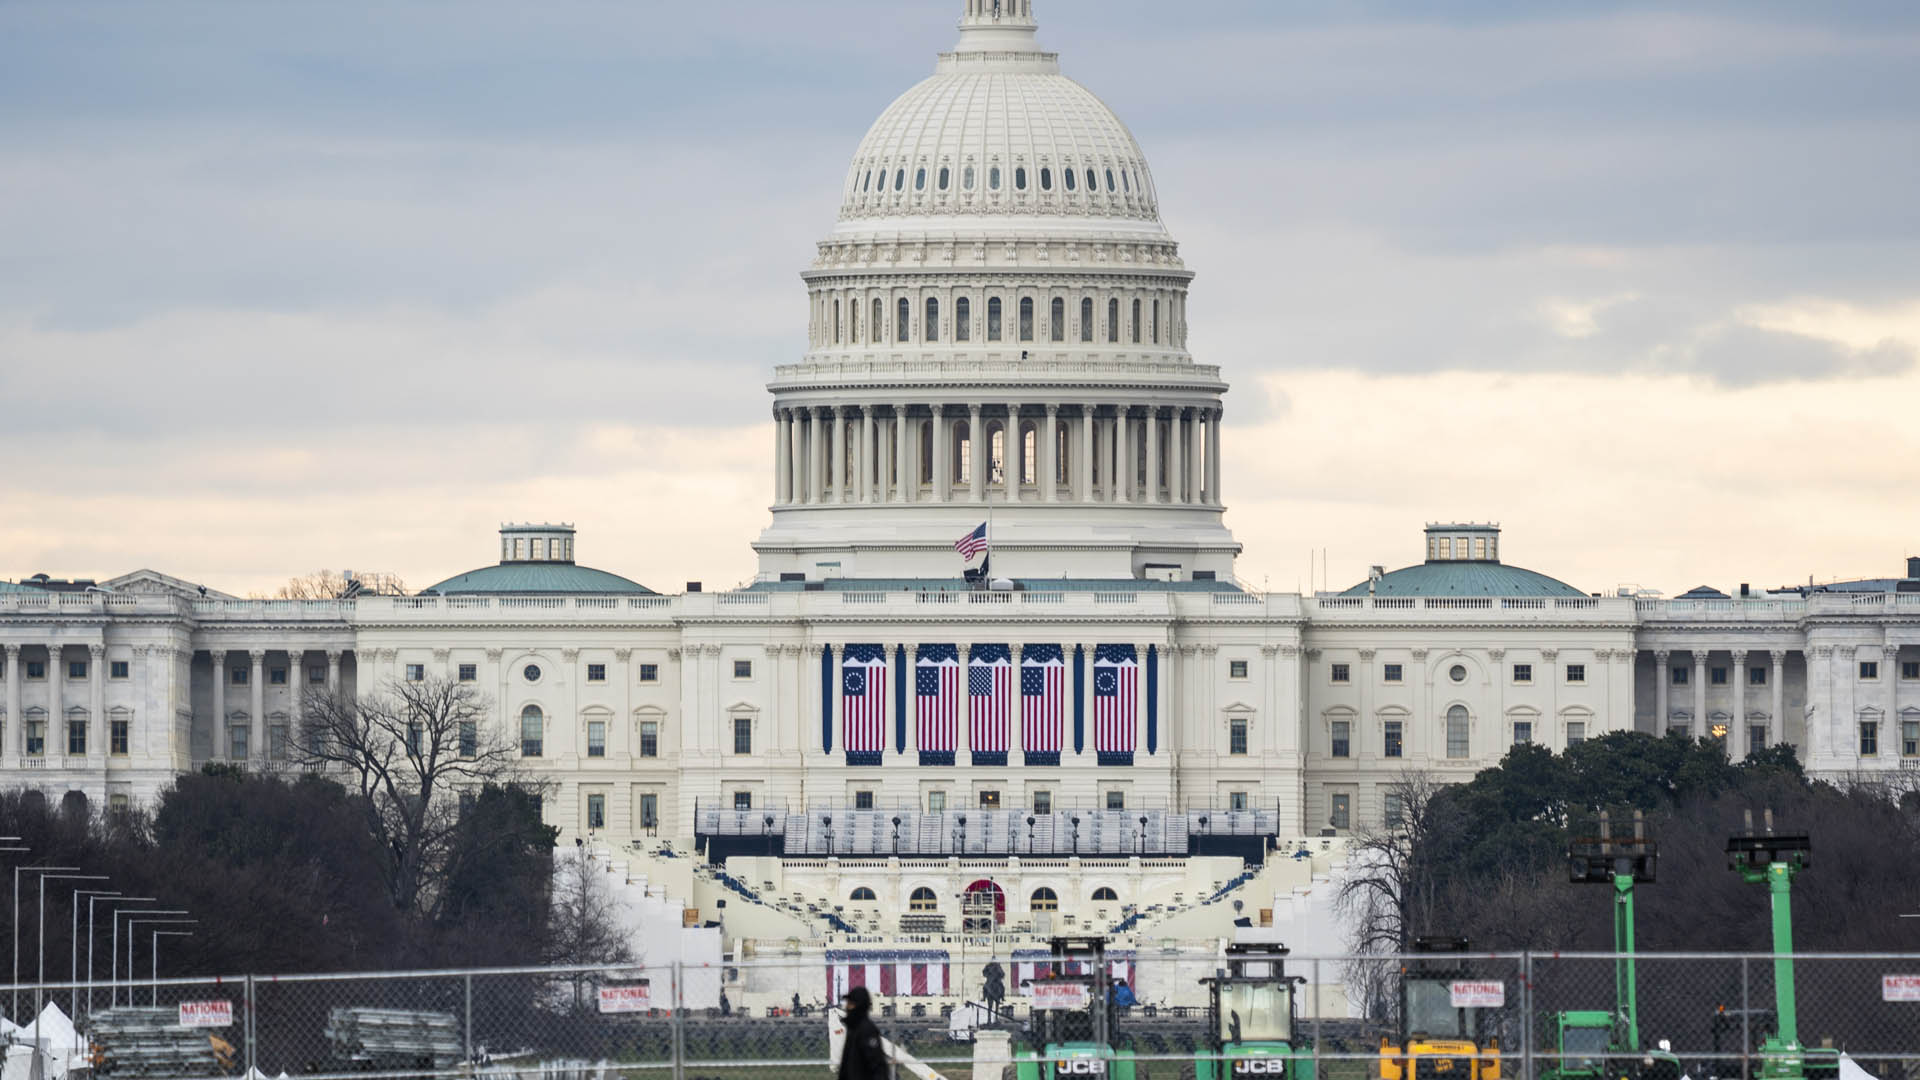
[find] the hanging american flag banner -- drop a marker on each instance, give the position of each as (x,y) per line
(863,703)
(989,703)
(1043,697)
(936,700)
(1116,700)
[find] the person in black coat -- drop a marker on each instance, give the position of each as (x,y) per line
(862,1058)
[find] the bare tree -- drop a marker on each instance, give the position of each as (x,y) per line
(585,925)
(335,584)
(1386,895)
(409,749)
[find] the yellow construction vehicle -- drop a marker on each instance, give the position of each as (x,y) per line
(1440,1038)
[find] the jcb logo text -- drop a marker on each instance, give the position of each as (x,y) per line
(1083,1067)
(1260,1067)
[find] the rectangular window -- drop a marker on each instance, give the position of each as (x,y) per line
(277,676)
(1683,728)
(596,738)
(1910,669)
(416,673)
(1236,669)
(237,738)
(1756,737)
(1394,745)
(1910,738)
(743,800)
(117,669)
(36,738)
(649,738)
(649,672)
(649,811)
(1717,676)
(239,676)
(1043,802)
(743,735)
(118,737)
(990,800)
(596,811)
(596,673)
(1756,676)
(1457,745)
(277,742)
(1679,676)
(1236,800)
(1869,740)
(77,737)
(1116,800)
(1576,732)
(1869,669)
(119,803)
(1394,809)
(1576,673)
(1342,738)
(77,669)
(1342,815)
(532,738)
(863,800)
(936,801)
(416,737)
(1523,673)
(1522,732)
(743,669)
(36,669)
(469,739)
(469,672)
(316,676)
(1390,673)
(1237,736)
(1341,673)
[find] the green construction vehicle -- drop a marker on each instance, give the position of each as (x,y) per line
(1070,1032)
(1251,1017)
(1763,858)
(1595,1044)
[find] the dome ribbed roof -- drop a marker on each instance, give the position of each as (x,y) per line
(536,577)
(1456,578)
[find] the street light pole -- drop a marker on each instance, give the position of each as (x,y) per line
(154,998)
(113,964)
(132,941)
(111,911)
(73,947)
(14,1009)
(40,980)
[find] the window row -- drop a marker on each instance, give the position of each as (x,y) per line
(533,673)
(533,742)
(1139,321)
(1574,674)
(79,731)
(1457,727)
(1122,180)
(924,899)
(1909,738)
(77,670)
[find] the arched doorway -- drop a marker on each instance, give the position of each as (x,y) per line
(975,900)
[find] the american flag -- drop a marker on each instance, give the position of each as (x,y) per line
(1043,678)
(1116,697)
(936,690)
(989,698)
(973,543)
(863,687)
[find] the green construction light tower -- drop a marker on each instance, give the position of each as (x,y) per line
(1763,858)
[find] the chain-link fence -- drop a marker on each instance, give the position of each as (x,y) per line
(1002,1010)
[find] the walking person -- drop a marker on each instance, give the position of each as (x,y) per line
(862,1058)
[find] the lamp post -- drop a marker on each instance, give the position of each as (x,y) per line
(132,941)
(14,1009)
(39,991)
(154,997)
(73,947)
(110,911)
(113,962)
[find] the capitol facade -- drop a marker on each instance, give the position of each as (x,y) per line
(997,335)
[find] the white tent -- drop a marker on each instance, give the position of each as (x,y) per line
(1850,1070)
(53,1037)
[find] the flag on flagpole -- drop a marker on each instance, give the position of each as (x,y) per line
(973,543)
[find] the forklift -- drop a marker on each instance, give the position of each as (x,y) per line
(1438,1040)
(1595,1044)
(1251,1017)
(1070,1030)
(1775,861)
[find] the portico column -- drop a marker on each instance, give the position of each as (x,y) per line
(976,455)
(882,458)
(258,684)
(56,706)
(907,481)
(1890,678)
(16,724)
(296,685)
(96,696)
(1662,681)
(1737,730)
(837,416)
(1194,456)
(942,442)
(1016,455)
(333,671)
(868,474)
(1776,724)
(1213,458)
(1699,693)
(962,735)
(1176,474)
(817,456)
(1123,444)
(796,457)
(913,701)
(1085,470)
(779,457)
(1153,455)
(220,745)
(1050,456)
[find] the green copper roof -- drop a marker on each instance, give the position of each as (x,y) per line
(509,579)
(1465,578)
(1060,585)
(11,587)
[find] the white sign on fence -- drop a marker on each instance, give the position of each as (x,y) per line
(1066,996)
(1479,995)
(206,1014)
(1900,988)
(625,999)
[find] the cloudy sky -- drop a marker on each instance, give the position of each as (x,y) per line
(347,283)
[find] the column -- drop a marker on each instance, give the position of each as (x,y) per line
(220,743)
(913,704)
(780,461)
(942,445)
(1890,678)
(1662,681)
(1737,729)
(1777,681)
(296,687)
(1123,452)
(882,459)
(837,416)
(976,455)
(796,457)
(1050,456)
(56,707)
(817,456)
(869,475)
(1153,455)
(1699,692)
(1016,455)
(905,484)
(96,698)
(1194,432)
(1176,471)
(16,723)
(258,685)
(1140,704)
(1213,458)
(1086,454)
(333,671)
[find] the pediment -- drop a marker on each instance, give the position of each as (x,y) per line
(155,583)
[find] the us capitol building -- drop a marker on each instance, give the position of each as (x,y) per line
(997,330)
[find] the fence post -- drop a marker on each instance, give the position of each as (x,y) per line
(1526,1015)
(253,1061)
(1318,996)
(469,995)
(1746,1017)
(679,1021)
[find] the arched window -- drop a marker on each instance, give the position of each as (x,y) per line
(926,452)
(933,319)
(899,179)
(1110,184)
(993,178)
(867,183)
(836,322)
(878,329)
(966,178)
(1156,322)
(962,316)
(1104,893)
(1124,187)
(853,322)
(1113,321)
(946,175)
(1136,322)
(1093,185)
(1044,899)
(1067,175)
(1057,320)
(532,731)
(1026,318)
(993,319)
(1029,453)
(1046,179)
(962,456)
(861,893)
(1457,731)
(1086,318)
(1020,178)
(920,179)
(997,455)
(923,900)
(904,325)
